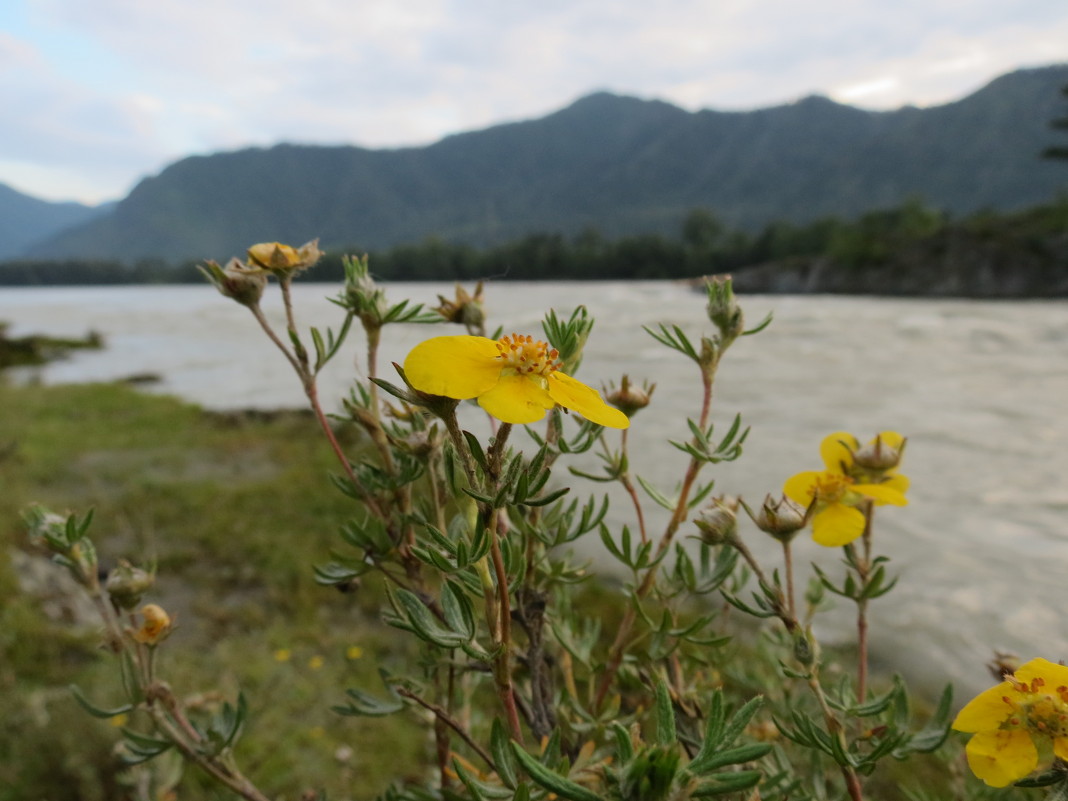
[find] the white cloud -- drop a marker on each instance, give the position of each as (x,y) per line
(151,82)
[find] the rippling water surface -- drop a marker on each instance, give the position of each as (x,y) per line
(979,388)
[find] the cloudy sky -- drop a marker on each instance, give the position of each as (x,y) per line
(100,93)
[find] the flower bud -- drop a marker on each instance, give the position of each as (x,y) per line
(718,522)
(629,399)
(878,457)
(126,584)
(723,309)
(363,297)
(156,625)
(237,281)
(806,649)
(465,309)
(782,519)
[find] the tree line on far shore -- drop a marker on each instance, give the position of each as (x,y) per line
(704,245)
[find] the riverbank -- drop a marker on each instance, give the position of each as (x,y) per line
(37,349)
(235,510)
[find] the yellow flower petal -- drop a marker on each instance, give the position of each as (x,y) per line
(1001,757)
(837,524)
(516,399)
(1052,674)
(837,451)
(802,487)
(881,494)
(458,367)
(576,396)
(987,710)
(897,482)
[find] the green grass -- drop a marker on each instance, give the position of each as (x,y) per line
(235,510)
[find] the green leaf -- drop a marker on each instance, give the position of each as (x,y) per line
(476,450)
(424,624)
(459,614)
(732,756)
(665,715)
(727,783)
(759,327)
(656,495)
(480,791)
(363,704)
(503,760)
(624,743)
(551,781)
(141,747)
(545,500)
(96,711)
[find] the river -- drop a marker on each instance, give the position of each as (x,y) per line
(979,388)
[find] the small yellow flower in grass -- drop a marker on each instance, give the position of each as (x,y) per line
(315,663)
(353,652)
(118,721)
(283,655)
(835,493)
(516,379)
(1012,721)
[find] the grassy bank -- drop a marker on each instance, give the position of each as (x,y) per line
(235,509)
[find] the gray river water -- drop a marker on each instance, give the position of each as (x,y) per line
(979,388)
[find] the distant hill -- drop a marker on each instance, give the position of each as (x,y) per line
(25,220)
(619,164)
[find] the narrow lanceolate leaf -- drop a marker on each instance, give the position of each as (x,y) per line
(624,743)
(551,781)
(656,495)
(423,623)
(458,611)
(727,783)
(937,729)
(731,756)
(665,715)
(141,748)
(96,711)
(502,755)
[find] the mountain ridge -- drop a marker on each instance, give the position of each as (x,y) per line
(621,164)
(25,219)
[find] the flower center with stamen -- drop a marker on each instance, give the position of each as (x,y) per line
(523,355)
(831,487)
(1038,709)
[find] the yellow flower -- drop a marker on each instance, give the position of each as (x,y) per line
(836,491)
(1010,722)
(155,627)
(516,379)
(274,257)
